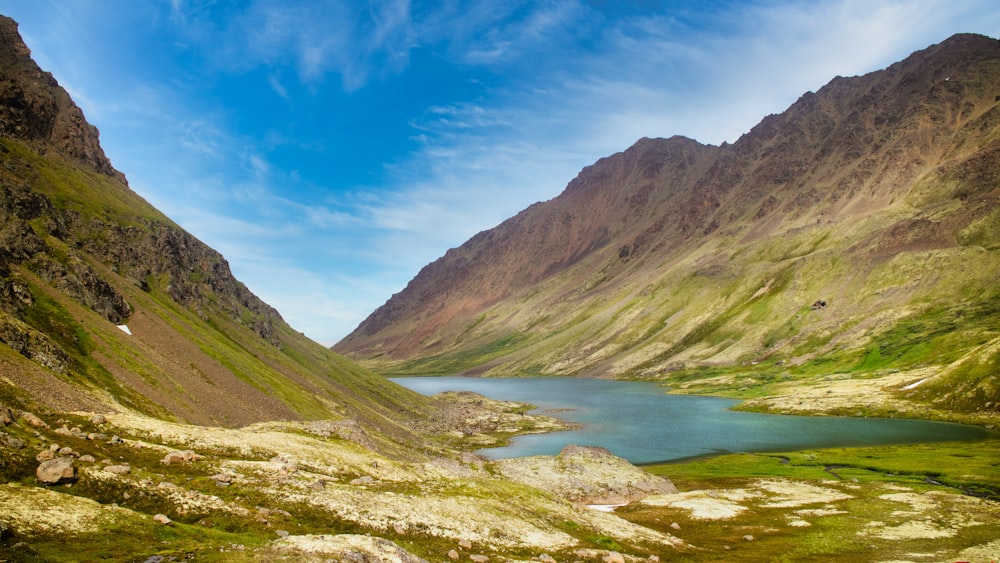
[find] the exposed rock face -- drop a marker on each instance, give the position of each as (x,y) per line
(33,107)
(652,259)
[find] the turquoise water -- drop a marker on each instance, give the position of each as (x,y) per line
(637,421)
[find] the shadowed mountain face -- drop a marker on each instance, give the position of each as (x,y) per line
(860,223)
(80,254)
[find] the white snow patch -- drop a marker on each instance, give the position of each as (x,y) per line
(915,384)
(124,328)
(604,507)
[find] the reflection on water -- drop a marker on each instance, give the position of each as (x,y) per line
(637,421)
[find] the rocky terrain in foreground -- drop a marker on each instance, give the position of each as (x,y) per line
(88,487)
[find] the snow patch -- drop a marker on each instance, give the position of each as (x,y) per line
(124,328)
(915,384)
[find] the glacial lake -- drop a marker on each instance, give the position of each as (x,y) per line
(639,422)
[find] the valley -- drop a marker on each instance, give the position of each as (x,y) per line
(840,258)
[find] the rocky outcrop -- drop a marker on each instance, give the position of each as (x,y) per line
(586,475)
(33,107)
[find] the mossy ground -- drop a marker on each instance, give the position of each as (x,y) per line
(859,504)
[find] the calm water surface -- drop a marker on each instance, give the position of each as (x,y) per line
(637,421)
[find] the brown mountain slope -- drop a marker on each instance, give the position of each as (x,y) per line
(81,253)
(875,195)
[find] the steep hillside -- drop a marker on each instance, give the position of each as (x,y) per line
(857,231)
(106,304)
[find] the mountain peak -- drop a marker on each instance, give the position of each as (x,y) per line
(34,108)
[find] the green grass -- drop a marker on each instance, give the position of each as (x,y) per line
(972,468)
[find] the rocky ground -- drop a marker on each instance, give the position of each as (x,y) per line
(120,486)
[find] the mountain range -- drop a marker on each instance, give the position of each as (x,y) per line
(841,255)
(856,232)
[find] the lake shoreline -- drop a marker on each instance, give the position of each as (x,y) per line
(699,426)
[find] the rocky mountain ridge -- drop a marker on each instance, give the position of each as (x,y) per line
(875,195)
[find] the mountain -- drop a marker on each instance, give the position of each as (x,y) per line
(857,231)
(107,304)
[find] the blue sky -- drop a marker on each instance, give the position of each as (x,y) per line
(330,149)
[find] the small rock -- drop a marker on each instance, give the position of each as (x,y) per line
(465,544)
(15,443)
(116,440)
(54,448)
(225,478)
(66,451)
(180,456)
(546,558)
(479,558)
(163,519)
(614,557)
(675,526)
(33,420)
(98,419)
(453,555)
(4,530)
(87,458)
(282,533)
(63,431)
(6,415)
(748,537)
(94,436)
(55,471)
(366,480)
(155,559)
(45,455)
(318,484)
(118,469)
(654,558)
(167,485)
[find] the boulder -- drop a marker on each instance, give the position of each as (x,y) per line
(180,456)
(98,419)
(163,519)
(364,480)
(55,471)
(118,469)
(33,420)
